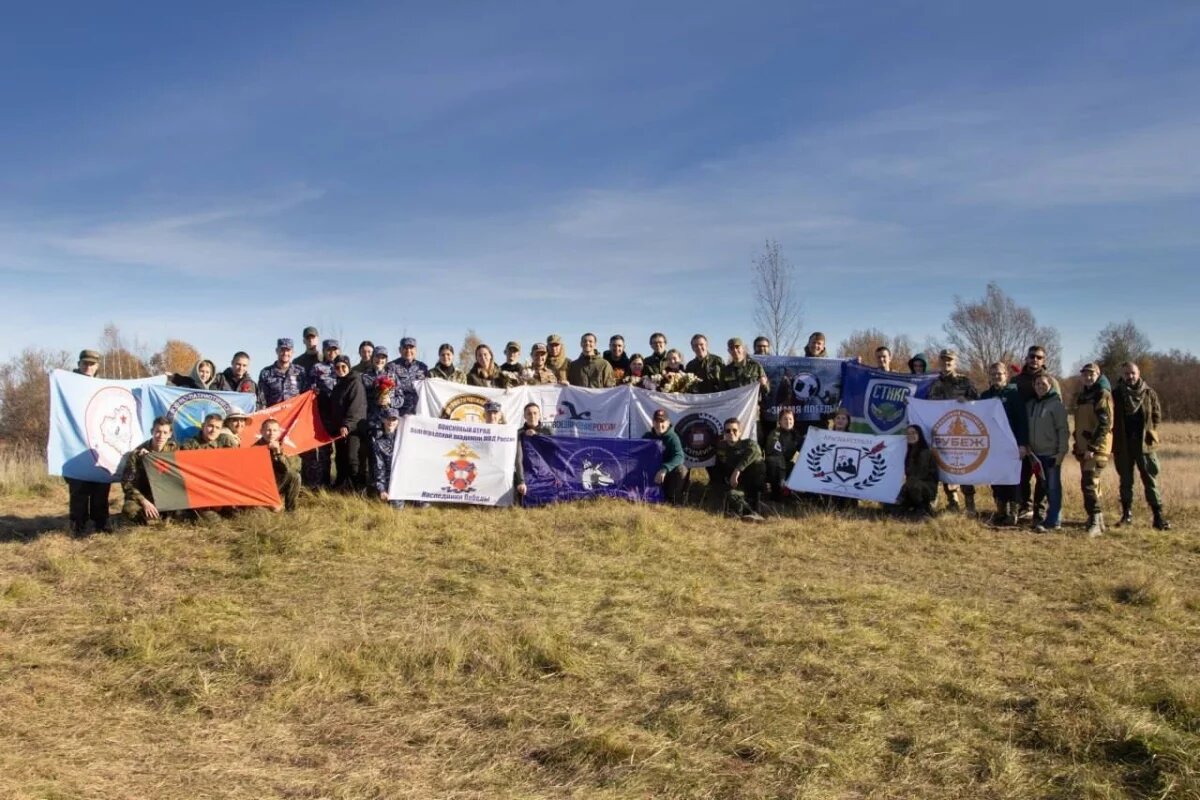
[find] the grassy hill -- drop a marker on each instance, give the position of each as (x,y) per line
(597,650)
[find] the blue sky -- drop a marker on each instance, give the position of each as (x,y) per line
(229,174)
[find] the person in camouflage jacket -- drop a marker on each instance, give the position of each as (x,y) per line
(1093,441)
(1137,413)
(953,385)
(139,499)
(706,366)
(445,368)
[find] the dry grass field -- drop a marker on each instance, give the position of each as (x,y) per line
(601,650)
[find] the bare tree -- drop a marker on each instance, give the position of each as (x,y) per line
(1120,342)
(995,328)
(466,355)
(777,308)
(25,395)
(864,343)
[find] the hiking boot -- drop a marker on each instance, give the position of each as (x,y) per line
(1095,525)
(1126,516)
(1160,522)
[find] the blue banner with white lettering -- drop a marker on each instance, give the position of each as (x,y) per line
(878,400)
(811,387)
(187,408)
(561,469)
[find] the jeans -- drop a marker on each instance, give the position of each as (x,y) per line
(1049,484)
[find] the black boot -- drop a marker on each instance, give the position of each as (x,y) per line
(1160,522)
(1126,516)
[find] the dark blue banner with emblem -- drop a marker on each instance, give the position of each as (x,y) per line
(878,400)
(811,387)
(561,469)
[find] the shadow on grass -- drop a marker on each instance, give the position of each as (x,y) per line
(24,529)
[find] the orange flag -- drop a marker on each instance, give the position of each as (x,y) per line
(302,428)
(212,478)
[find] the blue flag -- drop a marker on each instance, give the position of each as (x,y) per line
(187,408)
(878,400)
(811,387)
(94,423)
(559,469)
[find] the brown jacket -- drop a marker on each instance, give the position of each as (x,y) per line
(1093,427)
(1137,433)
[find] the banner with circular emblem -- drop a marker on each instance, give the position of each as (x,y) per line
(971,441)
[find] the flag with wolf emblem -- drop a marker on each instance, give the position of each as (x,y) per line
(563,469)
(878,400)
(858,465)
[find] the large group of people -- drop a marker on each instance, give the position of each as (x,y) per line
(361,402)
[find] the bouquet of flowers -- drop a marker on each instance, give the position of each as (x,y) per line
(678,382)
(650,382)
(384,385)
(619,374)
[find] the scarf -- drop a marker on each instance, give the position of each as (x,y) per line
(1132,397)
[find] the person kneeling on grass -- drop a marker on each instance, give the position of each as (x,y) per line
(286,468)
(783,445)
(920,475)
(672,475)
(382,447)
(740,472)
(139,505)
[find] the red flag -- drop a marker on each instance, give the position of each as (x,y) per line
(302,428)
(212,478)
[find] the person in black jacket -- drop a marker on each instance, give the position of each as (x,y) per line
(344,414)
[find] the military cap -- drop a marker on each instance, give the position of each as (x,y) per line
(284,342)
(408,341)
(491,405)
(379,351)
(512,346)
(331,344)
(89,355)
(391,413)
(343,359)
(1091,366)
(947,353)
(554,338)
(310,331)
(538,347)
(736,341)
(236,414)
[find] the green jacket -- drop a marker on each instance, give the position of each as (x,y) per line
(591,372)
(134,481)
(1049,431)
(220,443)
(708,370)
(953,387)
(559,366)
(920,467)
(1136,416)
(743,374)
(282,463)
(654,363)
(672,448)
(1093,424)
(738,455)
(450,373)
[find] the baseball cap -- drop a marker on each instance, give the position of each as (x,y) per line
(491,405)
(343,359)
(947,353)
(554,338)
(331,344)
(89,355)
(736,341)
(1091,366)
(284,342)
(379,351)
(408,341)
(538,347)
(310,331)
(391,413)
(512,346)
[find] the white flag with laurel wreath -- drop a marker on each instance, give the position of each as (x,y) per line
(864,466)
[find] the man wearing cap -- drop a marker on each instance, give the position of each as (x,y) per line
(311,355)
(282,380)
(511,369)
(235,422)
(87,499)
(445,368)
(590,370)
(344,414)
(383,444)
(616,356)
(365,350)
(706,366)
(655,362)
(236,377)
(1092,441)
(742,371)
(740,472)
(539,373)
(672,475)
(317,465)
(139,505)
(1033,368)
(953,385)
(557,359)
(408,370)
(492,416)
(1137,414)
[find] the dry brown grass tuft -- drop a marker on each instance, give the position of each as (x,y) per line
(599,650)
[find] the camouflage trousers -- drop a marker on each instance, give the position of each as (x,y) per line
(1146,465)
(1089,484)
